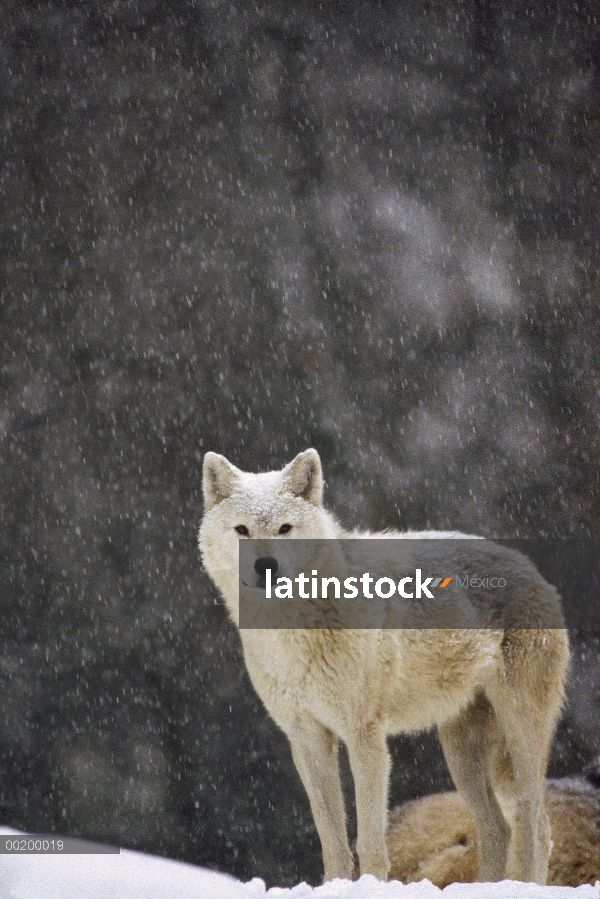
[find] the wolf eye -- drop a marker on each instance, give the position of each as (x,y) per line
(242,529)
(285,528)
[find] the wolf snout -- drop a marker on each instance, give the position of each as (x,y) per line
(261,565)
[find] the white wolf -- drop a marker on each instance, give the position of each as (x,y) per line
(433,837)
(494,694)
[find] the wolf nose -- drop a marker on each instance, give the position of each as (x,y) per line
(261,565)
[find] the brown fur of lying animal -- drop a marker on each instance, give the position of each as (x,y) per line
(433,838)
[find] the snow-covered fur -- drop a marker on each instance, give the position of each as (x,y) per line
(433,838)
(494,694)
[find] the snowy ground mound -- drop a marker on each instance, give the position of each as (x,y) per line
(133,875)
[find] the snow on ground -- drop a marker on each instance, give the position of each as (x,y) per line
(133,875)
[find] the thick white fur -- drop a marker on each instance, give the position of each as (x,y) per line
(494,694)
(433,838)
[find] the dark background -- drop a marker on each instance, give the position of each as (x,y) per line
(366,227)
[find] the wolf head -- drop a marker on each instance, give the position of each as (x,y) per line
(275,506)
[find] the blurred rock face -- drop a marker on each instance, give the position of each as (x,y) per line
(369,229)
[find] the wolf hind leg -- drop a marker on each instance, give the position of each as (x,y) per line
(527,698)
(470,743)
(527,741)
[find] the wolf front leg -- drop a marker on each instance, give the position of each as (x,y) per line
(370,764)
(315,753)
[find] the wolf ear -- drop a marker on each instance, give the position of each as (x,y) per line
(218,479)
(303,477)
